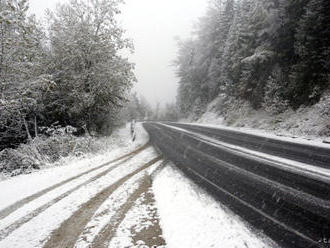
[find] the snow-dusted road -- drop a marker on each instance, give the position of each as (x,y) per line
(77,211)
(130,197)
(279,187)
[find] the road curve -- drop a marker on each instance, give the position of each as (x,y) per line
(280,188)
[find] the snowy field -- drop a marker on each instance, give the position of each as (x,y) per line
(136,201)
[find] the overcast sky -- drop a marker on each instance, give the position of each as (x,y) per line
(152,25)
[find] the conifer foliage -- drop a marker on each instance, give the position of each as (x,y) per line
(273,54)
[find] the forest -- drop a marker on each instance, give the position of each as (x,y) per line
(68,74)
(272,54)
(68,78)
(62,83)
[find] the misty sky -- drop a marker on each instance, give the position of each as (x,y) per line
(153,25)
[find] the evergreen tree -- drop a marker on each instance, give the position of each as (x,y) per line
(311,75)
(226,21)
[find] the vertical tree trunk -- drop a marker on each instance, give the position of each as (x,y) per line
(2,87)
(35,127)
(27,129)
(2,47)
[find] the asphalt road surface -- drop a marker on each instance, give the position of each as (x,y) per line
(281,188)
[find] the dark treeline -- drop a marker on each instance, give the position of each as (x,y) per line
(274,54)
(69,74)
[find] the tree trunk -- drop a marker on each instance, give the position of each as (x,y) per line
(27,129)
(2,87)
(35,127)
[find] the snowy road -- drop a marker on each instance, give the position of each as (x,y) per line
(81,211)
(130,197)
(283,191)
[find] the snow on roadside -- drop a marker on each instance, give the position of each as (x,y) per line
(109,208)
(48,197)
(284,163)
(17,188)
(139,217)
(290,126)
(142,217)
(107,211)
(32,235)
(190,218)
(315,141)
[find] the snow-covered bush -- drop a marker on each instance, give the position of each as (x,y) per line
(274,99)
(43,150)
(17,161)
(324,105)
(50,147)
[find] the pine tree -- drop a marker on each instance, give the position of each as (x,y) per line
(311,75)
(271,53)
(226,16)
(290,13)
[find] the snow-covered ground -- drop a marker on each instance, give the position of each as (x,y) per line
(305,123)
(16,188)
(279,162)
(137,201)
(211,119)
(190,218)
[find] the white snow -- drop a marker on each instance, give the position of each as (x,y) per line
(12,190)
(31,235)
(305,125)
(17,188)
(316,141)
(286,164)
(108,209)
(44,199)
(138,218)
(210,117)
(190,218)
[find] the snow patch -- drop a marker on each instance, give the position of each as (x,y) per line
(138,218)
(32,235)
(190,218)
(20,187)
(109,208)
(306,123)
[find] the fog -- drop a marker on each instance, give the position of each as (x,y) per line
(153,26)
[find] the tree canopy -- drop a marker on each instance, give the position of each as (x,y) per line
(273,54)
(70,74)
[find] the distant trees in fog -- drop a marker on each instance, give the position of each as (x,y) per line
(138,108)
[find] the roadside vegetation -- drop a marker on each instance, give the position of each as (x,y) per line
(61,81)
(267,60)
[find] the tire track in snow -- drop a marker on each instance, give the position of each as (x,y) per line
(140,225)
(109,231)
(68,233)
(10,209)
(8,230)
(108,209)
(106,212)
